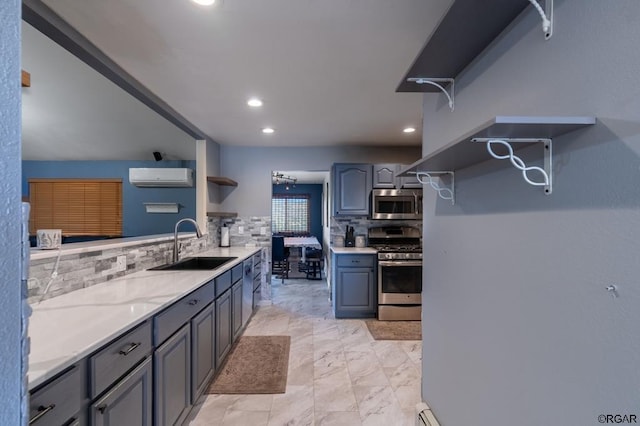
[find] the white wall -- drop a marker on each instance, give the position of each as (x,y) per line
(251,167)
(10,285)
(518,328)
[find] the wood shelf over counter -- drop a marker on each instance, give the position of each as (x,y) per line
(222,180)
(222,214)
(26,79)
(467,28)
(463,153)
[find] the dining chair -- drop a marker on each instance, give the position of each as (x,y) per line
(279,258)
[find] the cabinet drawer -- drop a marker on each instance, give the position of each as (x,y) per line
(256,260)
(223,283)
(256,282)
(120,356)
(57,401)
(236,273)
(175,316)
(356,260)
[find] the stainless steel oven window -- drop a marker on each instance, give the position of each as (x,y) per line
(399,282)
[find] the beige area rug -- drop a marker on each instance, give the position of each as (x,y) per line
(256,364)
(395,330)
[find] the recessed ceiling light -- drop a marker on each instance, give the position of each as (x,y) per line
(254,102)
(204,2)
(409,129)
(268,130)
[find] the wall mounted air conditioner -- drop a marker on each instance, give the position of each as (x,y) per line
(161,177)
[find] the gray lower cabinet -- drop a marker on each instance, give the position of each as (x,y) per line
(202,351)
(172,379)
(354,289)
(128,403)
(247,291)
(236,314)
(60,400)
(223,326)
(351,189)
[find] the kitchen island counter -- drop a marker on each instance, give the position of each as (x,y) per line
(67,328)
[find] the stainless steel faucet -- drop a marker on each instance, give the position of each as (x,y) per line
(175,236)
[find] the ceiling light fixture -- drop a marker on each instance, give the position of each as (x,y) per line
(204,2)
(289,181)
(268,130)
(409,129)
(254,102)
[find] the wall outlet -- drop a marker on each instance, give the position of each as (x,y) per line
(121,263)
(240,230)
(263,230)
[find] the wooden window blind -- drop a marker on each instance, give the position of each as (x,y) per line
(77,206)
(290,213)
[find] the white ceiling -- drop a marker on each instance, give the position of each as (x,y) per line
(326,70)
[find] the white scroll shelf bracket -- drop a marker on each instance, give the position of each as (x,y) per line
(439,83)
(426,178)
(518,163)
(546,14)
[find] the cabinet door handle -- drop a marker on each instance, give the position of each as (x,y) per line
(193,302)
(102,408)
(355,261)
(129,349)
(42,410)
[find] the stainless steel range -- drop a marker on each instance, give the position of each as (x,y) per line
(399,271)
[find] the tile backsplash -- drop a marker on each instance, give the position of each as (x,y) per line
(80,270)
(361,224)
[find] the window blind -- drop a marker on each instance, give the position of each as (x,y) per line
(77,206)
(290,213)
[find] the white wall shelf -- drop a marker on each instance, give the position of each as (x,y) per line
(526,130)
(162,207)
(467,28)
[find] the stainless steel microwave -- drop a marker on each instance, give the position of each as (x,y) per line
(396,204)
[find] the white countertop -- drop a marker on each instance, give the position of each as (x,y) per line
(354,250)
(69,327)
(89,246)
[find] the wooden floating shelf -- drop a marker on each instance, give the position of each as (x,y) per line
(463,153)
(222,214)
(26,79)
(222,181)
(467,28)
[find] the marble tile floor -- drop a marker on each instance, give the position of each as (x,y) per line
(338,375)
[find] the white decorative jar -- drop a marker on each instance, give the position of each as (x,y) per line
(48,239)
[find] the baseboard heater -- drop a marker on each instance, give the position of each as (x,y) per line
(424,416)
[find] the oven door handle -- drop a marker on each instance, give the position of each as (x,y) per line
(400,263)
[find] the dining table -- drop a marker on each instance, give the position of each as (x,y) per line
(302,242)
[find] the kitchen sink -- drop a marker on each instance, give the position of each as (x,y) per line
(194,263)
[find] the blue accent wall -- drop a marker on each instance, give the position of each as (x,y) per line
(315,192)
(135,220)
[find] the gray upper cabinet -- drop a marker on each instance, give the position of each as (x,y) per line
(385,176)
(128,403)
(351,189)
